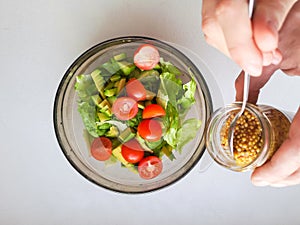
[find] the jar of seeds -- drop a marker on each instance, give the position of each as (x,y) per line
(258,133)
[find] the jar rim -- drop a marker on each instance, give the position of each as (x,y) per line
(213,145)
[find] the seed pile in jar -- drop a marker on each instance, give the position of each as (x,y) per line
(247,141)
(280,125)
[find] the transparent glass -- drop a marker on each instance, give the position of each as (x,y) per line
(69,126)
(272,123)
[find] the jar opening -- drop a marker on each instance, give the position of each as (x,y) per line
(251,137)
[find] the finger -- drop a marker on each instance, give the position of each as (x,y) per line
(267,20)
(267,58)
(293,179)
(285,162)
(273,57)
(211,28)
(288,44)
(237,29)
(256,83)
(277,57)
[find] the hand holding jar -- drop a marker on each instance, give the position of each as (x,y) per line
(283,169)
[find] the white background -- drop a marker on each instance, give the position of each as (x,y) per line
(38,42)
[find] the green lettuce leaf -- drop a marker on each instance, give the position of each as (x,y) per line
(171,123)
(88,115)
(85,87)
(169,88)
(178,99)
(187,132)
(169,67)
(188,98)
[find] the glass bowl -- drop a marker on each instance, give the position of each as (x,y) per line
(69,127)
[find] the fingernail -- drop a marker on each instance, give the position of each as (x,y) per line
(260,183)
(278,185)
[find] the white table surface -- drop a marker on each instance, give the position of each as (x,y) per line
(38,42)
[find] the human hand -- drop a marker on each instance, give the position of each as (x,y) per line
(284,167)
(227,27)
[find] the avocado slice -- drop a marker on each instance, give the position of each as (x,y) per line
(98,80)
(121,85)
(96,99)
(126,67)
(120,57)
(126,135)
(117,153)
(103,117)
(112,132)
(110,92)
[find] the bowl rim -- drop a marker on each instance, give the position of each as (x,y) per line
(60,93)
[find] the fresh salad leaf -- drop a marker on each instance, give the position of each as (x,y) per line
(143,143)
(86,90)
(172,123)
(187,132)
(169,88)
(88,115)
(134,122)
(85,87)
(188,98)
(169,67)
(155,144)
(151,81)
(177,109)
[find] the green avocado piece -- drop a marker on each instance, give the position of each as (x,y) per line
(112,132)
(98,79)
(103,117)
(120,57)
(117,153)
(126,135)
(126,67)
(110,92)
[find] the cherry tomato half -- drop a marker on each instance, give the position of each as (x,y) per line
(150,167)
(153,110)
(150,130)
(125,108)
(136,90)
(132,151)
(146,57)
(101,148)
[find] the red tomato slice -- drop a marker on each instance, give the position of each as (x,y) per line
(150,167)
(132,151)
(136,90)
(146,57)
(125,108)
(101,148)
(153,110)
(150,130)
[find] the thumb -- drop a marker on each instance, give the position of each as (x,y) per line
(285,162)
(256,83)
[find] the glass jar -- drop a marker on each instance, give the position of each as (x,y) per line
(258,133)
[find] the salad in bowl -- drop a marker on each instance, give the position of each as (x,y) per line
(130,114)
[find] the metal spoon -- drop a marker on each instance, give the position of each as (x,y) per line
(245,97)
(235,119)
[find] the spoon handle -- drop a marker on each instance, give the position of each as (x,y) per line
(245,95)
